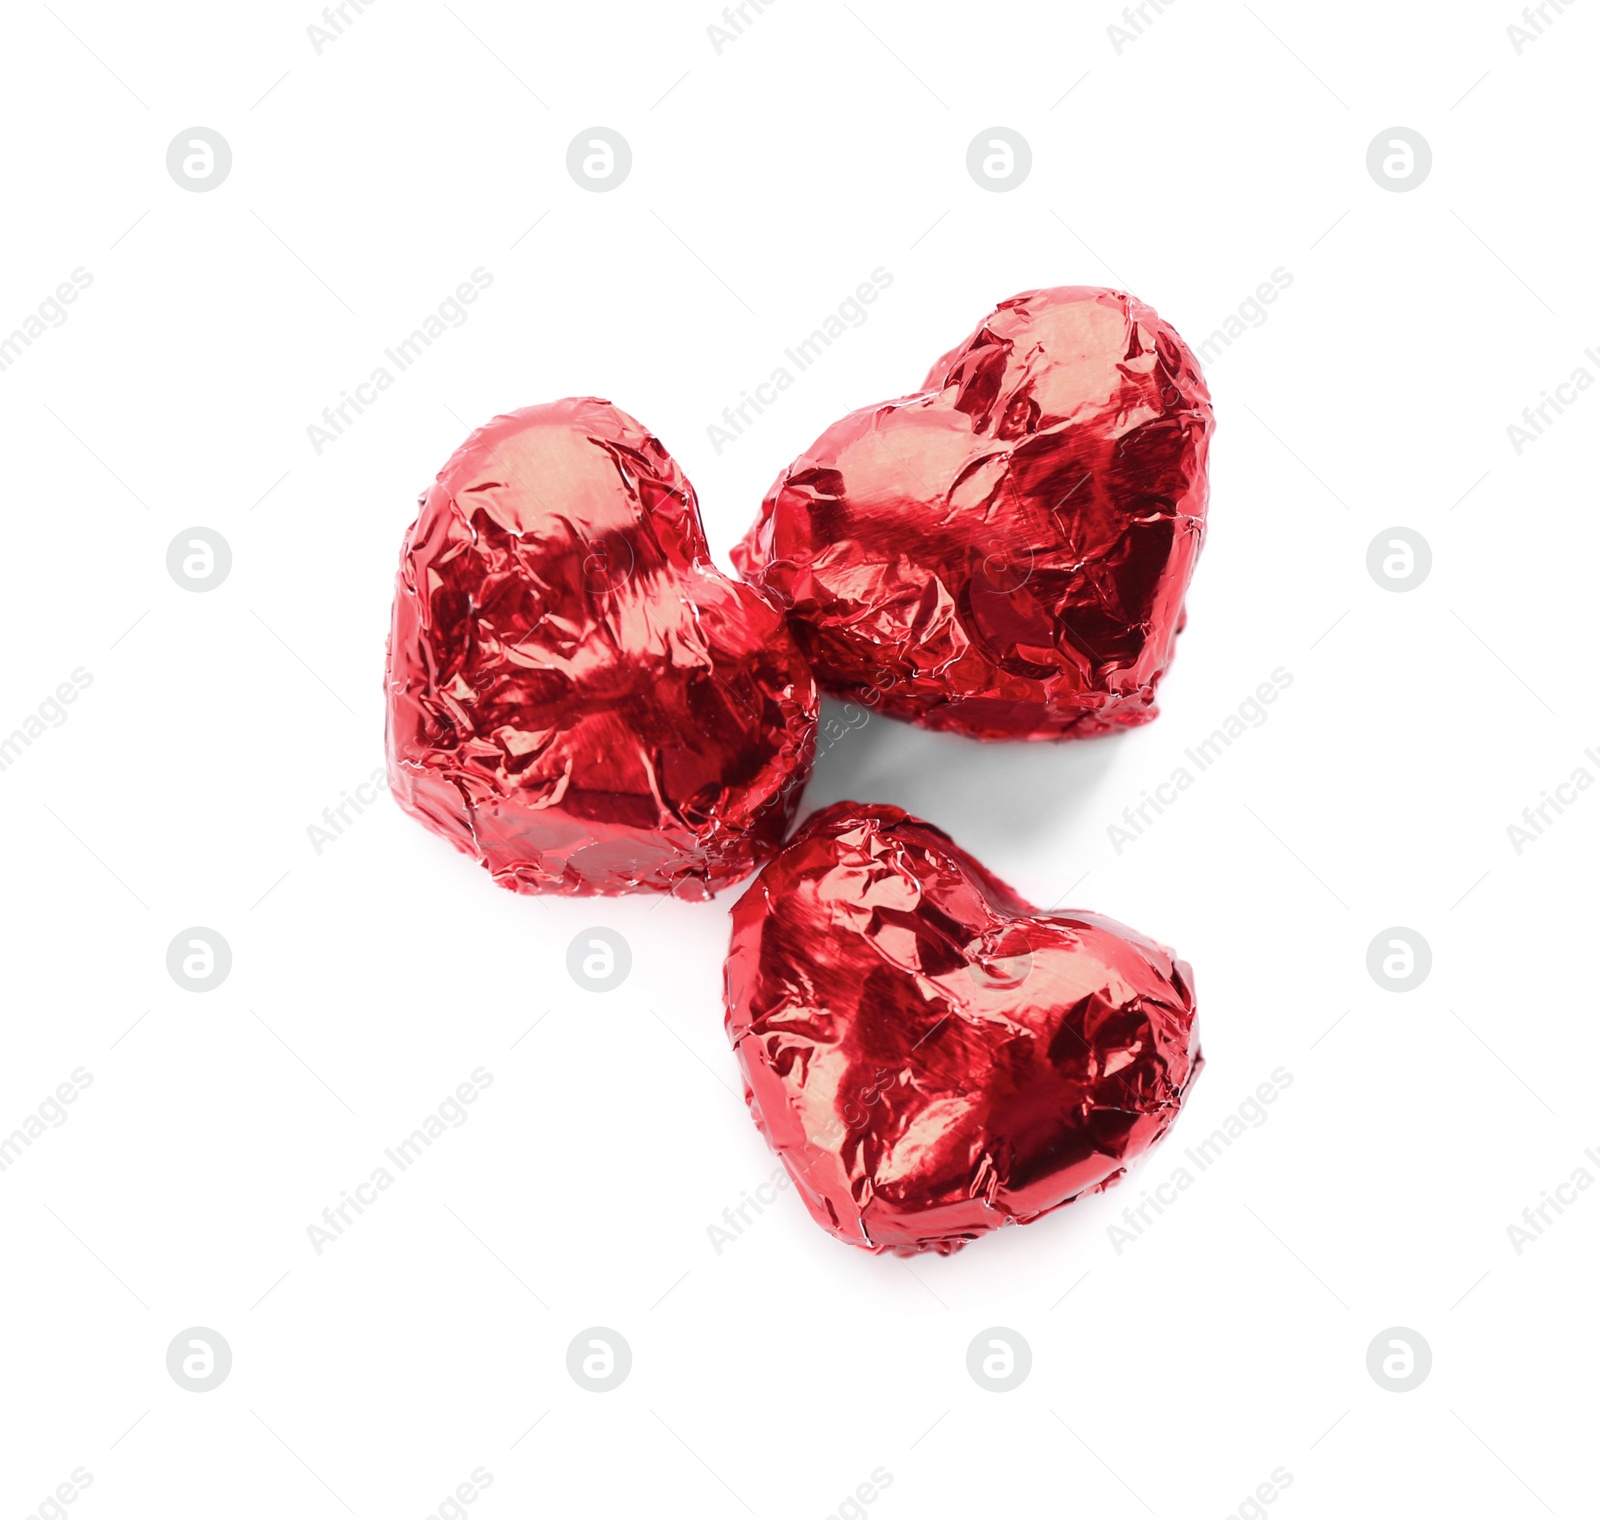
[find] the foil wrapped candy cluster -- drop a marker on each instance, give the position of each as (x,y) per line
(581,700)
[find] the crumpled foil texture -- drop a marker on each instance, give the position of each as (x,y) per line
(577,696)
(930,1056)
(1003,554)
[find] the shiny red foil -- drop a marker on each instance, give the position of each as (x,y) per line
(932,1057)
(577,696)
(1005,553)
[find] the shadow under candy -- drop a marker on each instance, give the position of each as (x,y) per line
(994,799)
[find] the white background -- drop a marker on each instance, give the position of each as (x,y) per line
(368,980)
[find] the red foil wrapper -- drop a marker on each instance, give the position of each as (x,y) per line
(931,1056)
(1003,554)
(577,696)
